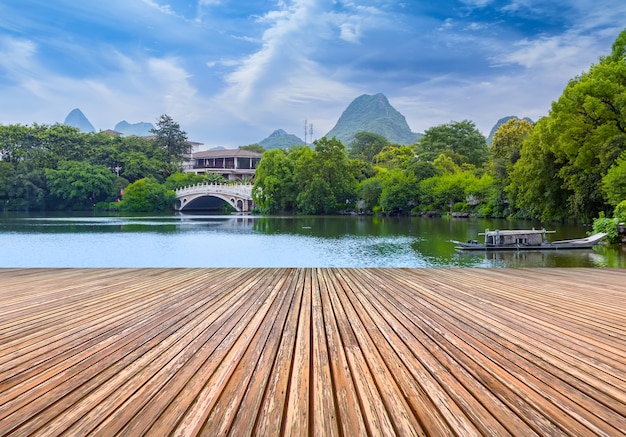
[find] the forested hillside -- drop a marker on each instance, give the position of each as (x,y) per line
(571,164)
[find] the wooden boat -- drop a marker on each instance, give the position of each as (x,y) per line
(526,239)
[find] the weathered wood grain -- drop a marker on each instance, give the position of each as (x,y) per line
(313,352)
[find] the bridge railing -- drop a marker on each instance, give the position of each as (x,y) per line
(243,190)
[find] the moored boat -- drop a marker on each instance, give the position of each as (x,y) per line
(526,239)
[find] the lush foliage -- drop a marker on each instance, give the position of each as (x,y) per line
(614,182)
(58,167)
(564,164)
(459,140)
(608,226)
(171,139)
(76,184)
(320,181)
(146,195)
(366,145)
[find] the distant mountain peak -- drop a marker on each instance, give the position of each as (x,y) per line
(140,129)
(77,119)
(278,133)
(279,139)
(373,113)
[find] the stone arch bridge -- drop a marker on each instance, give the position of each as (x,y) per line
(238,196)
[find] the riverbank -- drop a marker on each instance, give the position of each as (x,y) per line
(313,351)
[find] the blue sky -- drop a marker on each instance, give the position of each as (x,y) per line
(231,72)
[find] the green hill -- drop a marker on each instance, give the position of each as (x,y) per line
(373,113)
(279,139)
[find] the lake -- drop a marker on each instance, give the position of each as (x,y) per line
(179,240)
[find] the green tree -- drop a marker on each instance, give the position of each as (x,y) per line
(395,156)
(422,170)
(80,184)
(579,142)
(369,191)
(366,145)
(6,173)
(326,183)
(461,187)
(399,191)
(26,188)
(536,188)
(506,146)
(171,139)
(147,195)
(274,187)
(16,143)
(180,180)
(459,140)
(614,182)
(257,148)
(504,152)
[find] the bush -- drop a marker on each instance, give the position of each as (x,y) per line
(620,211)
(147,195)
(607,225)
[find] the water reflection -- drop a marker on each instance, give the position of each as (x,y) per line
(254,241)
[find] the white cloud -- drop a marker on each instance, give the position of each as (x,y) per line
(562,55)
(166,9)
(16,56)
(476,3)
(350,32)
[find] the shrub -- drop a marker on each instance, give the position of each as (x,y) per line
(607,225)
(620,211)
(147,195)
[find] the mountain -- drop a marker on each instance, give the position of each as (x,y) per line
(279,139)
(501,122)
(373,113)
(77,119)
(141,129)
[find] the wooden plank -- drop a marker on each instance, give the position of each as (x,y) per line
(313,351)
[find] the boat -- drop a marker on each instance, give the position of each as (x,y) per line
(526,239)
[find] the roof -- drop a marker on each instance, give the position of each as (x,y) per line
(226,153)
(516,232)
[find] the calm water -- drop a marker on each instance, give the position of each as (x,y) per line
(249,241)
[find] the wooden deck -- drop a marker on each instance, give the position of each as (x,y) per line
(342,352)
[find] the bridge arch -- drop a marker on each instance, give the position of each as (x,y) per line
(238,196)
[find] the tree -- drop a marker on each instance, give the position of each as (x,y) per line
(459,140)
(395,156)
(578,142)
(614,182)
(257,148)
(506,145)
(16,143)
(26,188)
(147,195)
(171,138)
(366,145)
(326,183)
(6,173)
(80,184)
(536,188)
(399,191)
(274,187)
(504,152)
(179,180)
(369,191)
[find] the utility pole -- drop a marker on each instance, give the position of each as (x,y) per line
(305,131)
